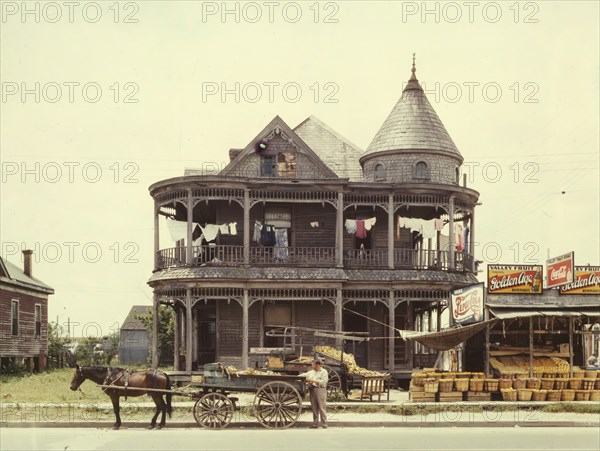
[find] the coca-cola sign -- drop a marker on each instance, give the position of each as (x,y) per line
(467,304)
(520,279)
(560,270)
(587,281)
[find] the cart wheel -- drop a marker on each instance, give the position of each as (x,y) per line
(277,405)
(213,411)
(334,384)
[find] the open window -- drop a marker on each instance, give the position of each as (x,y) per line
(280,164)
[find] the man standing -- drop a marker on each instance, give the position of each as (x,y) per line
(317,382)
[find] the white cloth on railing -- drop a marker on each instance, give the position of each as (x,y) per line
(257,230)
(281,245)
(177,229)
(233,228)
(350,225)
(369,223)
(210,232)
(224,229)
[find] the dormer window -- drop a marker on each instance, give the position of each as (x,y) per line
(379,172)
(421,170)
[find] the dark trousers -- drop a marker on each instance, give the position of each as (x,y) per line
(318,398)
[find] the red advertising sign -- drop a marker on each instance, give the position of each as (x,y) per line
(467,304)
(515,279)
(587,281)
(560,270)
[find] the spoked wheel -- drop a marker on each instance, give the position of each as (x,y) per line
(277,405)
(334,384)
(213,411)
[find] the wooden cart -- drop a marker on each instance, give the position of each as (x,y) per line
(277,403)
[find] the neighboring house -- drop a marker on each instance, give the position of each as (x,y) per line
(303,228)
(134,342)
(23,316)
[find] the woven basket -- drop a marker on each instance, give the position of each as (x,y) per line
(509,394)
(446,385)
(418,381)
(539,395)
(567,395)
(597,384)
(504,383)
(549,375)
(519,384)
(534,383)
(578,374)
(591,374)
(582,395)
(491,385)
(575,384)
(553,395)
(561,383)
(461,384)
(507,374)
(595,395)
(476,385)
(524,394)
(521,375)
(431,385)
(538,374)
(547,384)
(588,384)
(477,375)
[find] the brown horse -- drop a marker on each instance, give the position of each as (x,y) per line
(125,378)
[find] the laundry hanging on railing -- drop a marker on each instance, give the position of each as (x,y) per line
(177,229)
(267,235)
(425,227)
(281,245)
(467,231)
(360,227)
(460,243)
(257,230)
(210,232)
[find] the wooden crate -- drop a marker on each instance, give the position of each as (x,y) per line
(477,396)
(452,396)
(421,397)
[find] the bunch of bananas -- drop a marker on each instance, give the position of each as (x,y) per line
(233,371)
(348,360)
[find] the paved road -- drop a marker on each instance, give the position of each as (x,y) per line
(529,438)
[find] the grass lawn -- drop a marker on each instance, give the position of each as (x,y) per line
(53,386)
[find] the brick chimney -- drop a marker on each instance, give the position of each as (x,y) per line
(27,262)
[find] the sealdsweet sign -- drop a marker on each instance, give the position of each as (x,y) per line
(587,281)
(467,304)
(515,279)
(560,270)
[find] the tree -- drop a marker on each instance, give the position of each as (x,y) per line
(111,348)
(166,332)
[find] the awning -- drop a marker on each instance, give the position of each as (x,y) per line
(445,339)
(502,313)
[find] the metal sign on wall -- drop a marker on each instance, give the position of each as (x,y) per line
(515,279)
(587,281)
(560,270)
(467,304)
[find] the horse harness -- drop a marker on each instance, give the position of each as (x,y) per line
(109,381)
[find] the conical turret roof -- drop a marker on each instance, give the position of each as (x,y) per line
(412,125)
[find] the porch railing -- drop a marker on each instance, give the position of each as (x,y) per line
(229,255)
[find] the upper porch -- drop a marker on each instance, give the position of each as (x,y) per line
(315,222)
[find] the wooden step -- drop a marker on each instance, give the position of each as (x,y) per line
(451,396)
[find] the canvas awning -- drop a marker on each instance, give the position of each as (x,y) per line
(445,339)
(504,313)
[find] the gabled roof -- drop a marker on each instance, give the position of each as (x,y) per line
(13,275)
(412,125)
(132,322)
(337,152)
(278,127)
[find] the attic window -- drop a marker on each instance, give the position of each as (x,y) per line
(379,172)
(282,164)
(421,171)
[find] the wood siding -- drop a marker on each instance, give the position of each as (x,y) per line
(26,343)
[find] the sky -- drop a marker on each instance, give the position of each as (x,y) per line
(102,99)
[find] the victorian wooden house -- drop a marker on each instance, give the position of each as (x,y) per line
(23,316)
(303,228)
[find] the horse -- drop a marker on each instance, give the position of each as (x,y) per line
(126,378)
